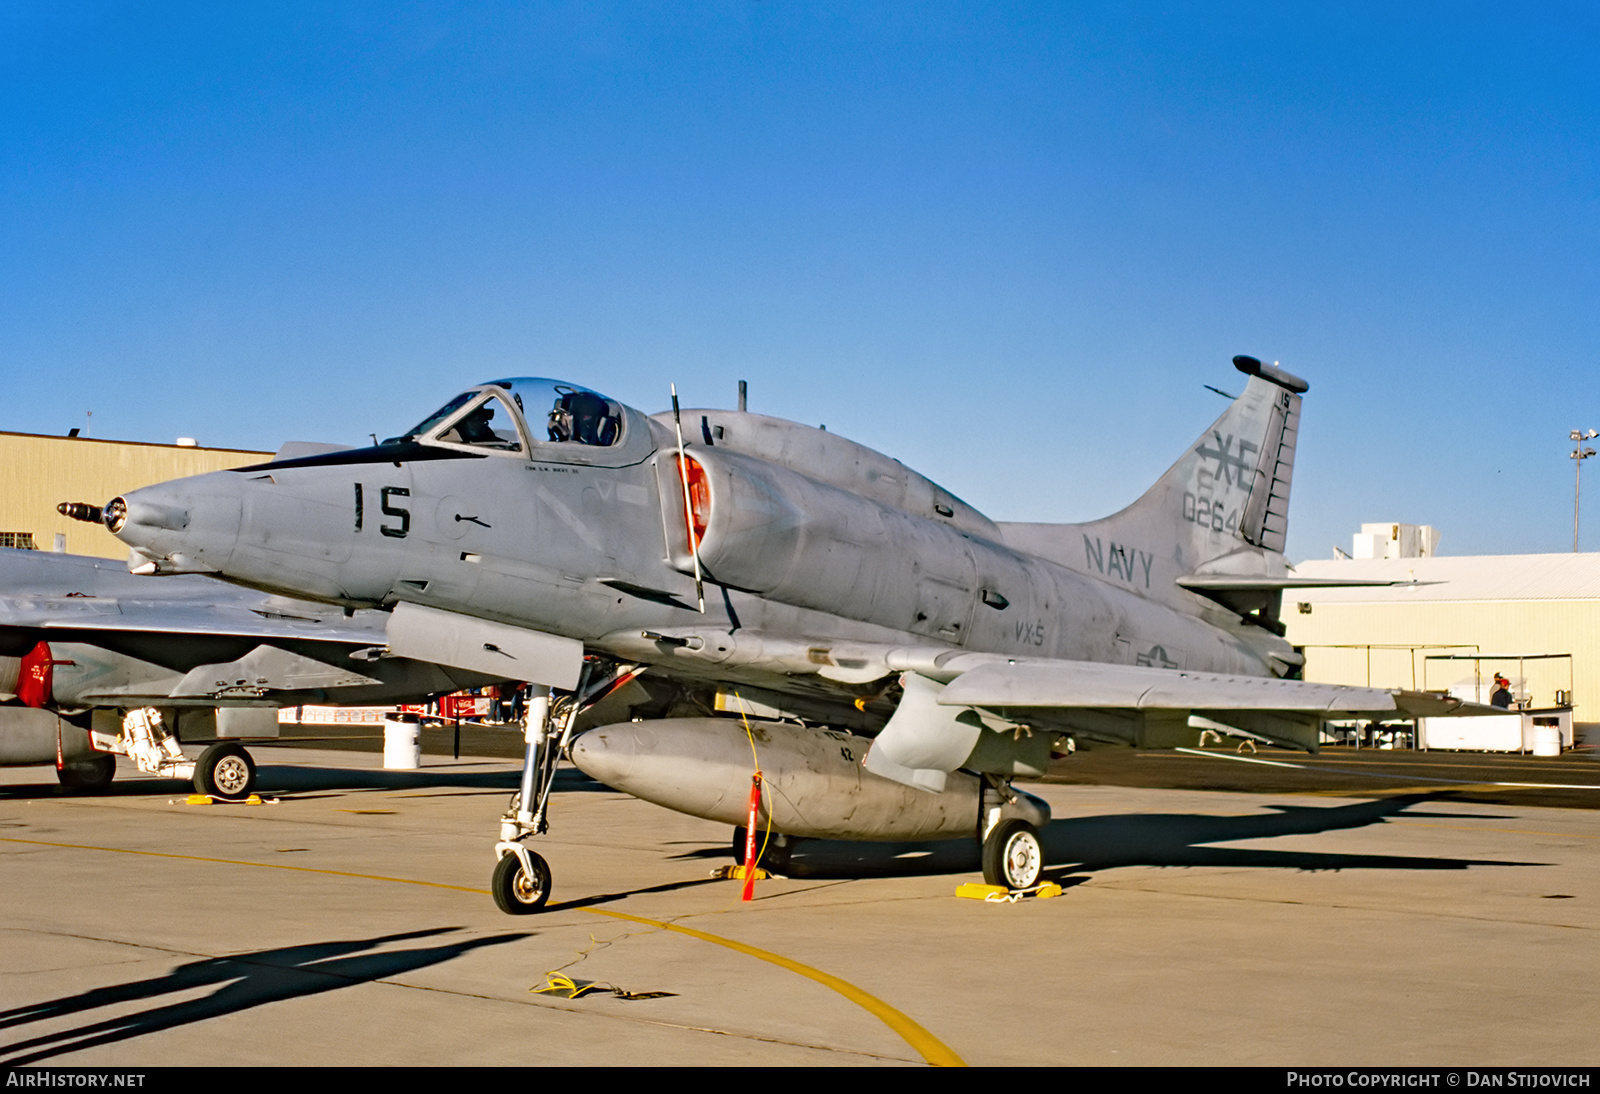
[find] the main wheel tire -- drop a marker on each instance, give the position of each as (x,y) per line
(1012,856)
(225,771)
(94,773)
(775,860)
(515,893)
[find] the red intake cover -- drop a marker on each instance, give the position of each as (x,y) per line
(34,677)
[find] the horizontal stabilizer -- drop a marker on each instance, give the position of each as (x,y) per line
(1205,583)
(1257,595)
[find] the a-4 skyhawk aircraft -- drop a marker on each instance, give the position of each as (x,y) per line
(899,657)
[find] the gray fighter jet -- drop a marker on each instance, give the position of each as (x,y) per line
(710,590)
(95,662)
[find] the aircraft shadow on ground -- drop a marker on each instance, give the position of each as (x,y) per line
(242,981)
(624,894)
(1077,847)
(300,779)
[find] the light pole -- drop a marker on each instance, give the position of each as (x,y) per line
(1579,454)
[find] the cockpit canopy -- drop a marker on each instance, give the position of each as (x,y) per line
(521,414)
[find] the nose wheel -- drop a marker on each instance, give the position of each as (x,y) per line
(521,882)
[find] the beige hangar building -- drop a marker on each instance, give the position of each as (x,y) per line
(1452,620)
(37,473)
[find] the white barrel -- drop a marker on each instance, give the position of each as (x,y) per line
(1546,740)
(402,742)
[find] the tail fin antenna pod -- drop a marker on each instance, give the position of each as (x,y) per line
(1265,519)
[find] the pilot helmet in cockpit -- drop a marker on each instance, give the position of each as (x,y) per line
(582,416)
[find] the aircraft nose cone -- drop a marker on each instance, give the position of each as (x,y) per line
(186,526)
(607,754)
(139,511)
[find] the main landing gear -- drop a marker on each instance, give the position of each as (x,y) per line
(1012,856)
(225,771)
(774,858)
(1011,819)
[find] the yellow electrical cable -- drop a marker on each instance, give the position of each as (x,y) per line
(755,759)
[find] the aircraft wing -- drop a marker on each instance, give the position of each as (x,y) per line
(108,614)
(42,590)
(996,682)
(995,713)
(1004,714)
(109,638)
(950,693)
(1084,684)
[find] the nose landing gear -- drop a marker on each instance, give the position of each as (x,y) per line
(521,881)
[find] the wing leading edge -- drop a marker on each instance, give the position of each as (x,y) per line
(997,714)
(1156,708)
(1072,684)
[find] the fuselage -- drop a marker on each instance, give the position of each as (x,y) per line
(799,534)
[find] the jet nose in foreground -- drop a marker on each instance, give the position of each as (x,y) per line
(187,526)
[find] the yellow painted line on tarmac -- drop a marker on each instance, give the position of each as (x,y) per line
(1388,791)
(1323,759)
(1402,777)
(242,862)
(1400,789)
(929,1047)
(1549,786)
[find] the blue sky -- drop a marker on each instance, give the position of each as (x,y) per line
(1005,243)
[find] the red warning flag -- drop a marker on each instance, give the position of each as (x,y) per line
(750,838)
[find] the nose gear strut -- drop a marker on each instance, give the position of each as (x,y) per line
(521,881)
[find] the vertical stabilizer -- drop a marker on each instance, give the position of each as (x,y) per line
(1222,508)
